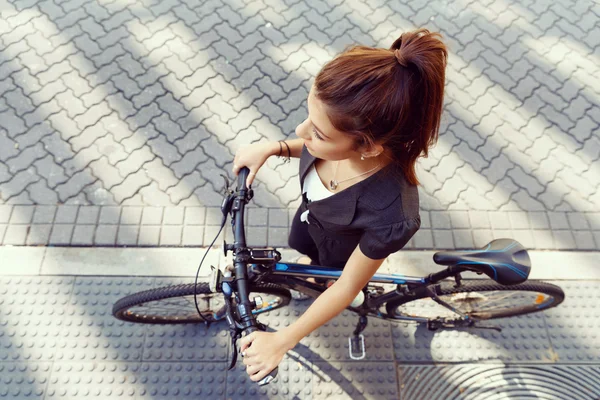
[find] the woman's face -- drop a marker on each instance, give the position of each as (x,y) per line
(320,137)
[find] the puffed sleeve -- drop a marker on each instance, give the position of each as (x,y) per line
(381,241)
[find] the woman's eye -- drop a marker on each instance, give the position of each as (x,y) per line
(316,134)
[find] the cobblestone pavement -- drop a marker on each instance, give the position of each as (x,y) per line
(117,117)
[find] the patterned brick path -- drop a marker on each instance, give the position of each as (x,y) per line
(117,117)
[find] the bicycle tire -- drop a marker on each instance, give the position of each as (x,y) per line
(452,295)
(185,312)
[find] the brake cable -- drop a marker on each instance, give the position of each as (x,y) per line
(226,201)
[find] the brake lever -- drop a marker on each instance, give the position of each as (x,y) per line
(226,190)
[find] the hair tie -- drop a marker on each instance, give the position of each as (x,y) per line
(400,58)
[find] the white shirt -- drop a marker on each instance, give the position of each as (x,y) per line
(314,189)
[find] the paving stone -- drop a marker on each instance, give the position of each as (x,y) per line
(106,235)
(459,219)
(109,215)
(88,215)
(463,238)
(16,235)
(128,235)
(278,217)
(194,215)
(193,236)
(518,219)
(83,235)
(563,239)
(578,221)
(66,214)
(149,235)
(171,235)
(440,220)
(61,235)
(558,220)
(22,214)
(443,239)
(584,240)
(538,220)
(173,216)
(131,215)
(277,237)
(152,215)
(499,220)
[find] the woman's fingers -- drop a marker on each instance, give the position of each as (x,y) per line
(250,179)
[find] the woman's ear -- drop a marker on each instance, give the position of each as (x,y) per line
(371,151)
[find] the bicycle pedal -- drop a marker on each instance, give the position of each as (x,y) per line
(356,347)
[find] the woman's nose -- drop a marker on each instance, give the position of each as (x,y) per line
(300,129)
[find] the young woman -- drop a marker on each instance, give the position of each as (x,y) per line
(372,113)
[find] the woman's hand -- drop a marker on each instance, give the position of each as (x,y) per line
(253,157)
(265,354)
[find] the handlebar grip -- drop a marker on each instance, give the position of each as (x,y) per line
(273,374)
(242,177)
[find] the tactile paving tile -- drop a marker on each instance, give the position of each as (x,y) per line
(33,314)
(187,342)
(330,341)
(23,380)
(345,380)
(100,380)
(523,339)
(293,381)
(92,333)
(491,382)
(190,380)
(574,325)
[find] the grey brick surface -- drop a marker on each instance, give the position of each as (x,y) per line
(15,234)
(440,220)
(443,239)
(463,238)
(193,236)
(109,215)
(61,234)
(66,214)
(152,215)
(171,235)
(194,215)
(106,235)
(39,234)
(127,235)
(278,217)
(149,235)
(195,83)
(173,216)
(558,220)
(22,214)
(88,215)
(83,235)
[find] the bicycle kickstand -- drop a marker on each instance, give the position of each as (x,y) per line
(356,343)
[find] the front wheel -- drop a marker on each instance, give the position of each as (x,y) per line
(480,299)
(175,304)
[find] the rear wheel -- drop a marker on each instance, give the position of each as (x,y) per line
(175,304)
(483,299)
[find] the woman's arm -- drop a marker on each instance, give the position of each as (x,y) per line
(358,271)
(263,351)
(295,148)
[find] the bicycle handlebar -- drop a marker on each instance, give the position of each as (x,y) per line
(248,321)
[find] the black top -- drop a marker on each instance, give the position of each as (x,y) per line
(379,213)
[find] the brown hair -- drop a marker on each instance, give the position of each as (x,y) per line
(393,96)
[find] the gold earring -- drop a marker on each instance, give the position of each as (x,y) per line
(362,157)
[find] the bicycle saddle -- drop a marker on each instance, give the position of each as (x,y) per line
(504,260)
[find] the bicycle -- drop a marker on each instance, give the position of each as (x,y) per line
(433,300)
